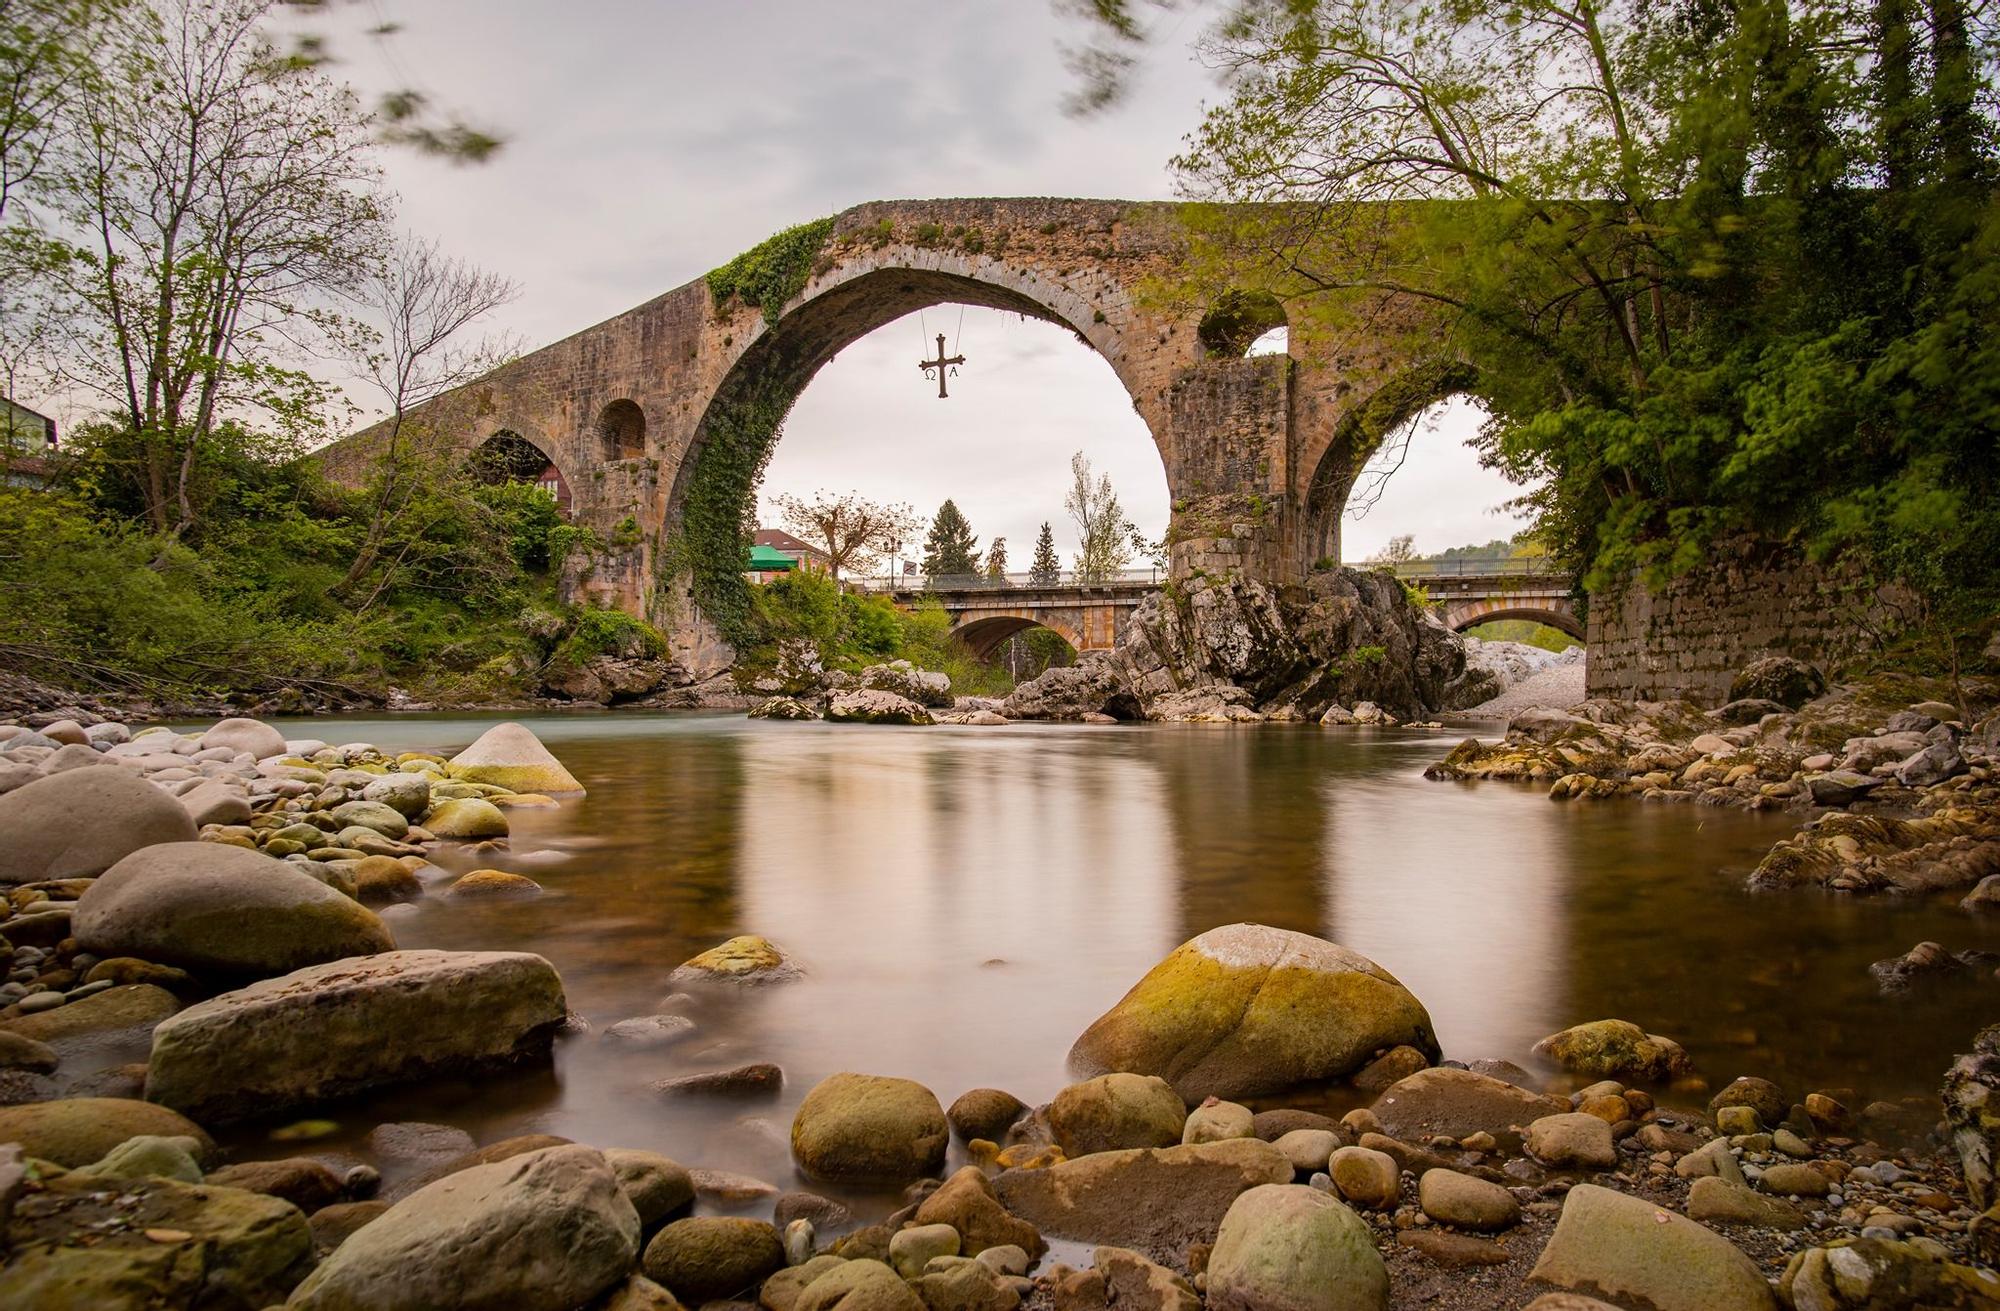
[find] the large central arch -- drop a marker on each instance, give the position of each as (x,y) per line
(716,485)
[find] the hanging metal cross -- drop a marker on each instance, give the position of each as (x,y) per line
(941,364)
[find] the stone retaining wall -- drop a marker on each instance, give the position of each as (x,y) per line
(1690,638)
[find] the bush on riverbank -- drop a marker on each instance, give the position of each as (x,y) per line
(848,630)
(265,586)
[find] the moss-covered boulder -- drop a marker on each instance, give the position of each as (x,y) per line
(222,911)
(1116,1111)
(80,1245)
(1285,1247)
(744,959)
(466,819)
(869,1127)
(1247,1009)
(1615,1049)
(511,756)
(77,1131)
(707,1257)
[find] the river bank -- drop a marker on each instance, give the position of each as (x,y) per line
(722,1026)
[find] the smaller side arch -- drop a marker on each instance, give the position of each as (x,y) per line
(505,456)
(621,430)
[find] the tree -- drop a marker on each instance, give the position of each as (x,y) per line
(1046,568)
(950,551)
(853,530)
(1715,270)
(422,301)
(996,561)
(1401,549)
(1103,533)
(213,203)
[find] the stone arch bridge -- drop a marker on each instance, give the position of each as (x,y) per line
(1090,615)
(657,421)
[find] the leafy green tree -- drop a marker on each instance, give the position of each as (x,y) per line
(1714,270)
(950,550)
(1046,568)
(1103,532)
(211,203)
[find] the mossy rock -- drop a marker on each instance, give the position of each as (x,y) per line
(511,756)
(1615,1049)
(78,1131)
(869,1127)
(1246,1009)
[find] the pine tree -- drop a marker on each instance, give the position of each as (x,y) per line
(951,550)
(1046,571)
(996,561)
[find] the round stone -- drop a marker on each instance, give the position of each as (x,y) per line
(869,1127)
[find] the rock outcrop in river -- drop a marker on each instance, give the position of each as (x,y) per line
(1238,649)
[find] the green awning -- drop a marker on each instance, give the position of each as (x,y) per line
(767,558)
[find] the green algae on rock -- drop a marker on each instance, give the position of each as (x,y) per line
(1247,1009)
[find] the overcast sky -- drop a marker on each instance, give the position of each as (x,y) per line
(650,140)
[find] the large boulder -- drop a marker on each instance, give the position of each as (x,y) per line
(1457,1104)
(1791,683)
(868,706)
(83,821)
(1283,1247)
(220,910)
(77,1131)
(1153,1199)
(1610,1244)
(922,686)
(1972,1114)
(254,736)
(546,1231)
(1091,686)
(339,1028)
(511,756)
(80,1243)
(1247,1009)
(869,1127)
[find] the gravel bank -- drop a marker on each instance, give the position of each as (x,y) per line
(1560,686)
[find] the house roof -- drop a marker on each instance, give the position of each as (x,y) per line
(780,540)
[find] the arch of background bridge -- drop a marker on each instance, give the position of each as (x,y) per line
(1359,435)
(1492,610)
(983,636)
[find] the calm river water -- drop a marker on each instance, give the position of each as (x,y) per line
(966,900)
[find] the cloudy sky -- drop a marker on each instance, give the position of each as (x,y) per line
(650,140)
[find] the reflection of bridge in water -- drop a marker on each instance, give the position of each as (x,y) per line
(1089,611)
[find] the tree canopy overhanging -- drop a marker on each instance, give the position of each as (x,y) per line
(1714,268)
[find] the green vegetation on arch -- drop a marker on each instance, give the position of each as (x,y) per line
(771,273)
(717,517)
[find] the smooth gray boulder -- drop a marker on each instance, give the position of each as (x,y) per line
(545,1231)
(81,822)
(340,1028)
(224,911)
(251,735)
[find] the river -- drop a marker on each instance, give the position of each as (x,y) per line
(965,900)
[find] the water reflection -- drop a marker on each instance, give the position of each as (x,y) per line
(967,900)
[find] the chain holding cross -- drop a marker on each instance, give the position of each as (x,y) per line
(942,364)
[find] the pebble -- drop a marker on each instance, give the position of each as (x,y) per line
(36,1002)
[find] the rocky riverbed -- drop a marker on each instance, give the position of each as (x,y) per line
(199,936)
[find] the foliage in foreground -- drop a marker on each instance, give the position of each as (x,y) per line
(459,602)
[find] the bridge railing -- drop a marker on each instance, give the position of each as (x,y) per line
(1510,567)
(1149,577)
